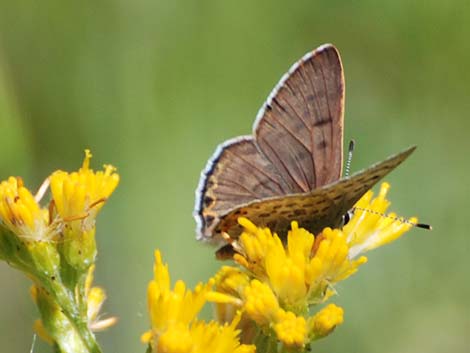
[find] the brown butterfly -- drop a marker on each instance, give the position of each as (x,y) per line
(290,168)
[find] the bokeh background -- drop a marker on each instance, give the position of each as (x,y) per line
(153,86)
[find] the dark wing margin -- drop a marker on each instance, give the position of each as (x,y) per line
(236,174)
(300,127)
(315,210)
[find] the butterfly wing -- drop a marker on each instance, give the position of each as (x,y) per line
(297,145)
(314,210)
(237,174)
(300,127)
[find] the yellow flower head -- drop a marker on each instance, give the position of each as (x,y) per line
(202,337)
(254,243)
(175,328)
(229,283)
(331,263)
(168,307)
(213,337)
(80,195)
(287,267)
(21,214)
(295,273)
(290,329)
(325,321)
(369,228)
(260,302)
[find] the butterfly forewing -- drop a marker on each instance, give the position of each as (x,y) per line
(300,127)
(322,207)
(237,174)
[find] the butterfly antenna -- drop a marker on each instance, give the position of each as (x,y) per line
(402,220)
(347,169)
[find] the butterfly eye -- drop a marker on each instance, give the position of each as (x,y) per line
(347,217)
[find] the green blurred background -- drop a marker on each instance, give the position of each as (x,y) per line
(153,86)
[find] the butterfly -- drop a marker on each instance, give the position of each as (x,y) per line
(290,167)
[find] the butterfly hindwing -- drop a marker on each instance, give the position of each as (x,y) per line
(314,210)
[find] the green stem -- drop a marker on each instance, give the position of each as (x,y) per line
(265,343)
(78,318)
(73,307)
(88,338)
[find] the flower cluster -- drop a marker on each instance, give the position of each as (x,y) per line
(281,281)
(55,246)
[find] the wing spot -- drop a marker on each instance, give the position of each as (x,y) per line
(208,201)
(322,144)
(209,219)
(300,212)
(323,121)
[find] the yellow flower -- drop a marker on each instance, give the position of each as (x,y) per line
(290,329)
(77,198)
(201,337)
(21,214)
(369,228)
(297,275)
(287,267)
(212,337)
(168,307)
(260,302)
(325,321)
(80,195)
(255,242)
(175,328)
(229,283)
(331,263)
